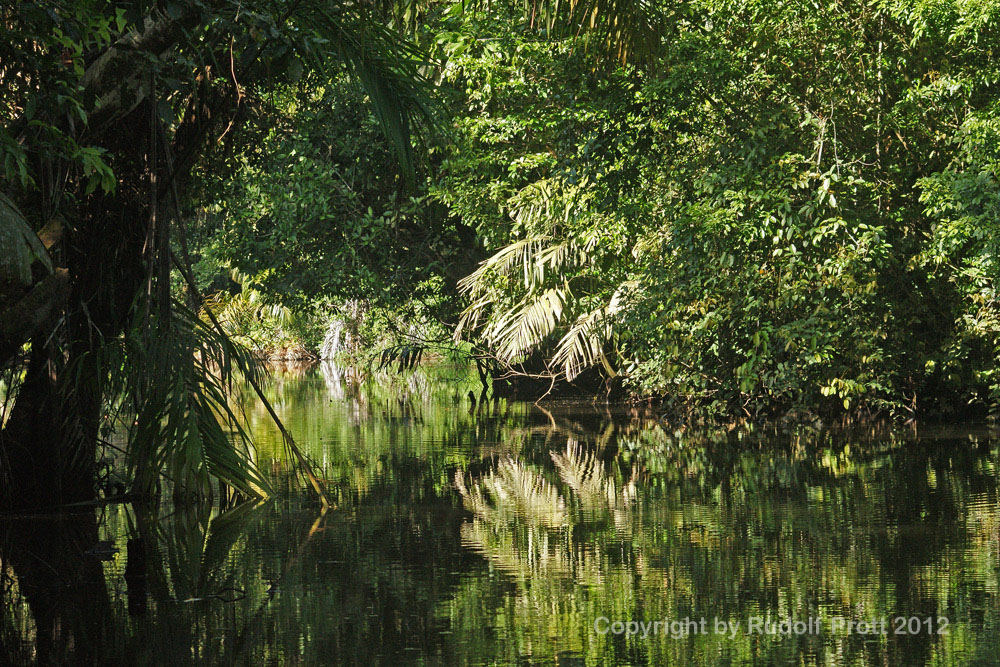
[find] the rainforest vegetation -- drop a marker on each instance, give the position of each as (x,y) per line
(739,207)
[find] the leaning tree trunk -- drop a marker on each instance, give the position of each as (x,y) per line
(112,243)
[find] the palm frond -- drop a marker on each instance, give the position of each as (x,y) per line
(244,311)
(174,395)
(519,253)
(521,296)
(518,330)
(627,30)
(522,325)
(21,248)
(584,343)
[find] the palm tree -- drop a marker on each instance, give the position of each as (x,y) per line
(538,292)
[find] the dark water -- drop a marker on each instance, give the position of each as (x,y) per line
(501,536)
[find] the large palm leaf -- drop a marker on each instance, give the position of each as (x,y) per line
(521,297)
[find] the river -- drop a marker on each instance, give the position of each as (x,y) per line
(506,533)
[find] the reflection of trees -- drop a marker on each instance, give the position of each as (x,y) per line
(341,382)
(362,584)
(653,524)
(66,612)
(514,506)
(171,591)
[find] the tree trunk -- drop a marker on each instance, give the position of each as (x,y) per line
(50,440)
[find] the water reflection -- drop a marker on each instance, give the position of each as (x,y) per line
(498,535)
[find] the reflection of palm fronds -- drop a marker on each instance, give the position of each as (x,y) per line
(581,471)
(514,491)
(194,549)
(530,551)
(521,519)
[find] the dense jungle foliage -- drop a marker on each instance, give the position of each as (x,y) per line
(737,206)
(774,205)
